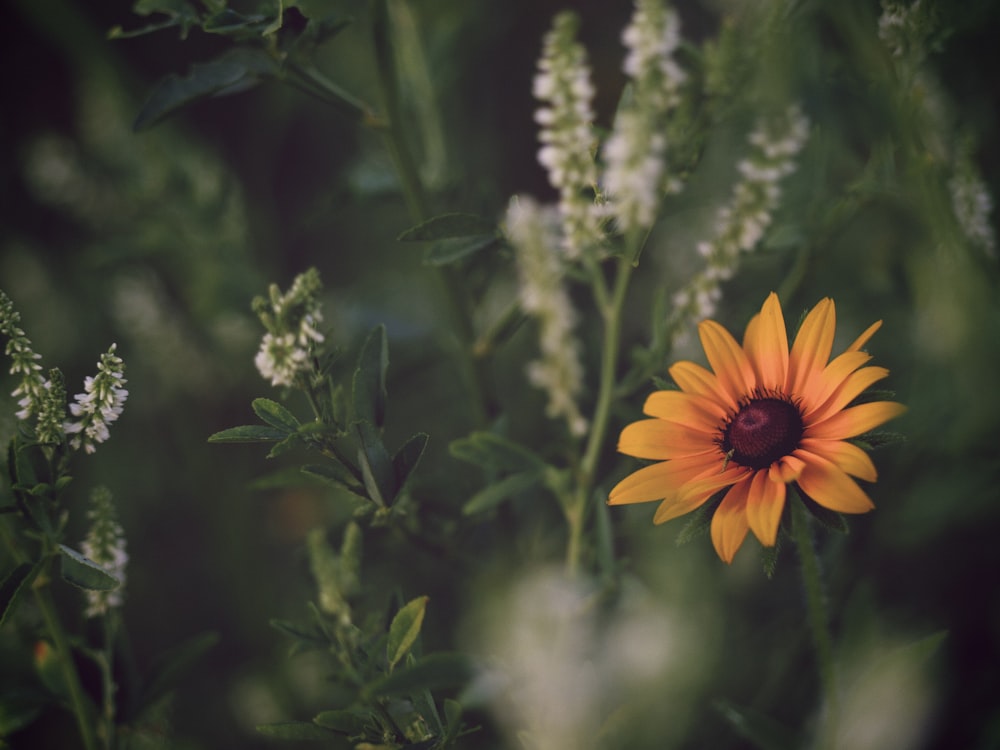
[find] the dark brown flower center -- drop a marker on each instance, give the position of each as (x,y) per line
(763,430)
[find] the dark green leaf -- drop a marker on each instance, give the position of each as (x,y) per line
(376,466)
(249,433)
(879,439)
(831,519)
(769,557)
(275,414)
(235,70)
(368,389)
(83,572)
(453,720)
(759,730)
(444,252)
(13,587)
(699,522)
(285,445)
(495,453)
(170,666)
(435,671)
(228,22)
(296,730)
(310,636)
(449,226)
(347,722)
(407,458)
(335,475)
(404,630)
(495,493)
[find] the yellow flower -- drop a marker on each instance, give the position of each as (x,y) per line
(766,417)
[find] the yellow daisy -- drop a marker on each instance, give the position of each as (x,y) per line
(766,417)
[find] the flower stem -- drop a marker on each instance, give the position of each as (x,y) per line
(78,701)
(576,514)
(819,621)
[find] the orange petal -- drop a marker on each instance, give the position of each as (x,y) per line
(854,421)
(786,469)
(729,522)
(815,393)
(850,389)
(812,346)
(831,487)
(863,338)
(764,506)
(664,479)
(660,440)
(708,483)
(697,380)
(728,360)
(673,507)
(766,345)
(846,456)
(697,412)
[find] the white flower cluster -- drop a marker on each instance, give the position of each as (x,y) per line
(291,320)
(563,85)
(741,224)
(105,545)
(634,154)
(899,28)
(973,204)
(533,231)
(24,361)
(100,404)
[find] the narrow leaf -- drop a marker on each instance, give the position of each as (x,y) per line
(493,494)
(453,720)
(376,466)
(495,453)
(445,252)
(449,226)
(83,572)
(275,414)
(404,630)
(248,433)
(407,458)
(13,587)
(346,722)
(335,475)
(296,730)
(236,70)
(435,671)
(368,391)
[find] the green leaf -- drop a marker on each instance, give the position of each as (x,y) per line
(368,388)
(275,414)
(20,709)
(376,466)
(445,252)
(449,226)
(348,722)
(404,630)
(769,557)
(759,730)
(336,475)
(235,70)
(296,730)
(307,635)
(227,22)
(493,494)
(83,572)
(699,522)
(13,587)
(831,519)
(249,433)
(171,665)
(495,453)
(879,439)
(406,459)
(435,671)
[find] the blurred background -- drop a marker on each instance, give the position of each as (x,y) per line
(158,240)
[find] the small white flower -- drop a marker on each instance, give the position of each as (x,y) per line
(100,404)
(105,545)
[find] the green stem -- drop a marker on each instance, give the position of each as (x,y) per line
(818,616)
(576,510)
(78,701)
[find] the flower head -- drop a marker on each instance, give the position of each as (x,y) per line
(105,545)
(100,404)
(291,320)
(765,418)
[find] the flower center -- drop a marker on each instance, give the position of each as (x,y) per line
(763,430)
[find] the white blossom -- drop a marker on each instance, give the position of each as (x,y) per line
(100,404)
(292,321)
(973,204)
(567,135)
(105,545)
(534,234)
(635,175)
(741,224)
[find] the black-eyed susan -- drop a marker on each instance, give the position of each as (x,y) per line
(766,417)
